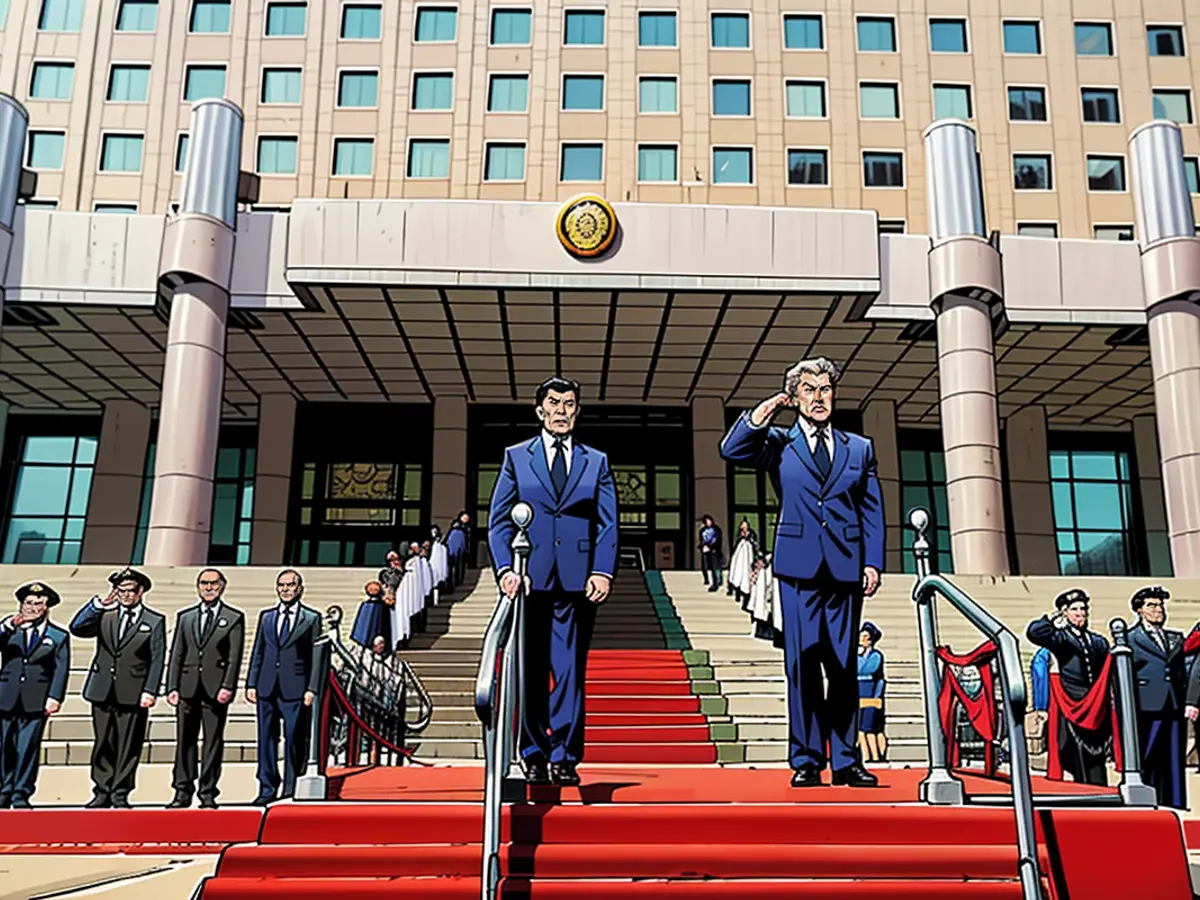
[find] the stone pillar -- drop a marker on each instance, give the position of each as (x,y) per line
(710,481)
(1150,487)
(966,287)
(115,500)
(272,478)
(197,263)
(448,491)
(1028,454)
(14,126)
(879,424)
(1166,233)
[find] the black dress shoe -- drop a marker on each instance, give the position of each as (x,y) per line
(564,773)
(806,776)
(99,802)
(121,803)
(208,803)
(854,775)
(21,803)
(536,772)
(181,801)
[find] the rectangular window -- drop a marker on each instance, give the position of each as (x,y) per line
(508,93)
(512,27)
(433,91)
(52,81)
(1191,173)
(286,19)
(1031,172)
(203,82)
(129,84)
(120,209)
(581,28)
(730,97)
(277,154)
(803,33)
(429,158)
(948,35)
(878,101)
(210,17)
(1093,39)
(61,15)
(353,157)
(952,101)
(733,165)
(1027,104)
(731,31)
(582,162)
(39,204)
(923,485)
(1037,229)
(805,99)
(1093,512)
(658,95)
(358,89)
(1022,37)
(656,29)
(1173,105)
(1113,232)
(504,162)
(883,169)
(137,15)
(892,226)
(362,22)
(1165,40)
(1100,105)
(583,93)
(876,34)
(181,148)
(121,153)
(46,149)
(808,167)
(437,24)
(51,488)
(657,163)
(1106,173)
(281,86)
(233,506)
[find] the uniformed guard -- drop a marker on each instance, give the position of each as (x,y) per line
(35,661)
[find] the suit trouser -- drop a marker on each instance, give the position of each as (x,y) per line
(296,720)
(821,621)
(20,752)
(120,734)
(194,714)
(1164,749)
(558,632)
(711,563)
(1085,765)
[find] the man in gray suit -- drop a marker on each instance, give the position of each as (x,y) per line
(123,682)
(202,675)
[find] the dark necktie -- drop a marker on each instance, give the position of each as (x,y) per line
(286,628)
(126,624)
(821,454)
(206,620)
(558,469)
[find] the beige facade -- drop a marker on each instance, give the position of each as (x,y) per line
(316,57)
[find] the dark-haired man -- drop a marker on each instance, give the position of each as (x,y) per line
(1161,687)
(574,537)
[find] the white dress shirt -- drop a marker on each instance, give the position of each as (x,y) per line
(809,430)
(289,614)
(215,612)
(548,440)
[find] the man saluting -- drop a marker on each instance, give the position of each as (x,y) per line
(828,556)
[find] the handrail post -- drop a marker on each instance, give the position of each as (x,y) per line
(1028,869)
(1134,791)
(312,785)
(940,787)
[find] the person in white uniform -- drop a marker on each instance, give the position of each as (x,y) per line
(741,563)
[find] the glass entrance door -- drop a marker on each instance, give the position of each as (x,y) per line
(650,510)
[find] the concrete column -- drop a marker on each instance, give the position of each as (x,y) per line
(1171,276)
(197,262)
(966,287)
(1150,487)
(879,424)
(710,482)
(1028,454)
(449,484)
(272,478)
(14,126)
(115,500)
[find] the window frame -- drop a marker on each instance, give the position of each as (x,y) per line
(341,71)
(117,17)
(487,100)
(428,138)
(432,4)
(1182,28)
(876,17)
(966,24)
(654,10)
(787,150)
(824,84)
(127,64)
(191,15)
(562,95)
(333,148)
(41,11)
(895,85)
(51,61)
(262,84)
(712,87)
(292,37)
(970,88)
(491,24)
(1041,36)
(1028,87)
(1088,157)
(180,138)
(506,143)
(1109,25)
(1195,163)
(803,14)
(360,3)
(1051,175)
(659,145)
(1186,91)
(1123,225)
(666,76)
(1116,91)
(603,43)
(1038,224)
(732,12)
(115,203)
(713,148)
(577,142)
(202,64)
(270,135)
(412,91)
(27,155)
(120,132)
(862,168)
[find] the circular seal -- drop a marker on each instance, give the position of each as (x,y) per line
(587,226)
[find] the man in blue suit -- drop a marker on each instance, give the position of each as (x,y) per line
(828,557)
(35,660)
(1161,692)
(282,682)
(574,538)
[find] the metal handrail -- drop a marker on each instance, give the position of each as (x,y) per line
(637,555)
(498,698)
(940,786)
(1134,791)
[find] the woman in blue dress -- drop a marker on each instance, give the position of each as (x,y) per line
(374,618)
(872,741)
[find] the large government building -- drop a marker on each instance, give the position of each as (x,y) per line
(280,278)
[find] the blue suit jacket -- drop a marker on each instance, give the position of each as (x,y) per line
(838,522)
(288,670)
(27,681)
(573,537)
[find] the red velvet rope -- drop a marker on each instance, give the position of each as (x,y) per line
(1192,643)
(1089,712)
(981,710)
(356,723)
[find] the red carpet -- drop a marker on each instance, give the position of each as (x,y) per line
(144,831)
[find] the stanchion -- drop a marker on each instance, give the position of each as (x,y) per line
(1134,792)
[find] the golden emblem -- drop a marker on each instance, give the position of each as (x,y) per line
(587,226)
(36,588)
